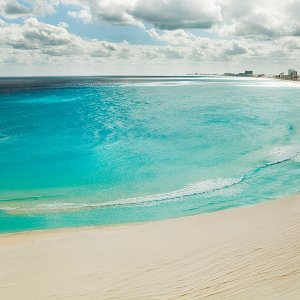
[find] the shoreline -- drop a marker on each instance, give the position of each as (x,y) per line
(129,224)
(250,252)
(114,225)
(287,80)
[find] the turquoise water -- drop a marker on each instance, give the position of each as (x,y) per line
(107,150)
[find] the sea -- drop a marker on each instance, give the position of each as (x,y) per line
(86,151)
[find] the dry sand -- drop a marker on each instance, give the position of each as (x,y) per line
(243,253)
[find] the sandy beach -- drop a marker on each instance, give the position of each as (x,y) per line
(244,253)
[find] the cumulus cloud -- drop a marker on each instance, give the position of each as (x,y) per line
(201,47)
(54,41)
(82,14)
(49,40)
(12,9)
(177,14)
(232,31)
(164,14)
(263,19)
(260,19)
(235,49)
(36,35)
(174,37)
(116,12)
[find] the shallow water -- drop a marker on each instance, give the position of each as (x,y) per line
(106,150)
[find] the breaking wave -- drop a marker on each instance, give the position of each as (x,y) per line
(279,155)
(270,84)
(163,83)
(284,153)
(188,190)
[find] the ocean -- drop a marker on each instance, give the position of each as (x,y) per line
(85,151)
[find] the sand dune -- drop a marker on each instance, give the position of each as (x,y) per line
(244,253)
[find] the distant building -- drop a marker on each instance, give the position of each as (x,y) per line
(245,74)
(292,74)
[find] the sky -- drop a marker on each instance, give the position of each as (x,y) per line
(148,37)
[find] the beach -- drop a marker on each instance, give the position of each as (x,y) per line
(149,150)
(242,253)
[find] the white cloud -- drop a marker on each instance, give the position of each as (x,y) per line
(260,19)
(257,19)
(54,42)
(116,12)
(177,14)
(12,9)
(82,14)
(174,37)
(43,39)
(164,14)
(247,34)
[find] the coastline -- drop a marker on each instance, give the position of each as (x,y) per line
(241,253)
(287,80)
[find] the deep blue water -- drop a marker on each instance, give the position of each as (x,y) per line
(107,150)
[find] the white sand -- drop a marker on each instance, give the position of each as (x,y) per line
(244,253)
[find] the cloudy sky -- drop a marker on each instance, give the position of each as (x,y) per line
(89,37)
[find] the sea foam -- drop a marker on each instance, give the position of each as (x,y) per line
(270,84)
(279,154)
(285,153)
(162,84)
(188,190)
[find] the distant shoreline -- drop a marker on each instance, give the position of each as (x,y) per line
(287,80)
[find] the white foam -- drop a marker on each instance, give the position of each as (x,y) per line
(188,190)
(163,83)
(7,208)
(57,205)
(168,78)
(270,84)
(297,158)
(284,153)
